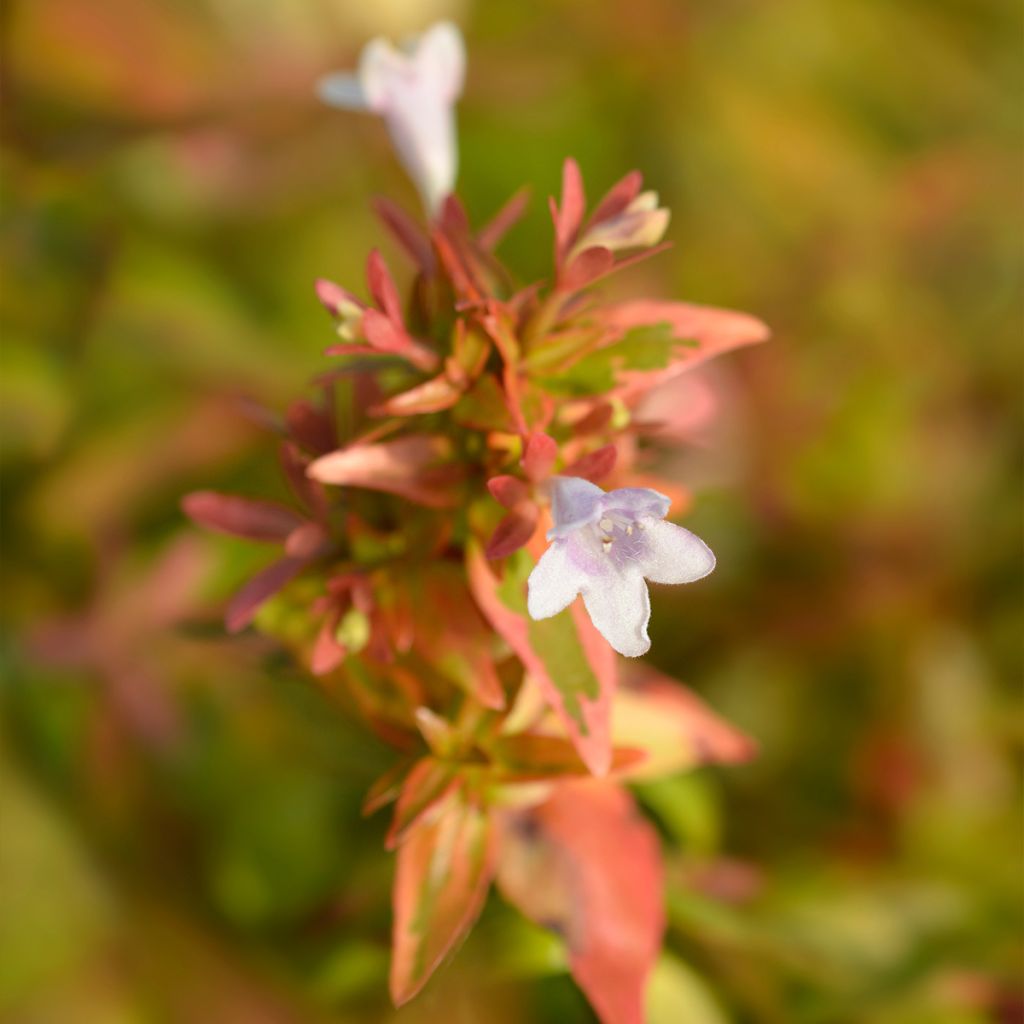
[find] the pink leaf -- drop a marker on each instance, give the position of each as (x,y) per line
(618,197)
(328,652)
(332,296)
(586,268)
(586,865)
(539,456)
(382,287)
(513,532)
(508,491)
(494,231)
(240,517)
(309,540)
(411,467)
(243,606)
(443,873)
(595,465)
(406,232)
(569,215)
(385,335)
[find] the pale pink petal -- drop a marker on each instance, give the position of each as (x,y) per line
(674,555)
(574,503)
(620,608)
(554,582)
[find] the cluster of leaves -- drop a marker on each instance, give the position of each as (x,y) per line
(419,510)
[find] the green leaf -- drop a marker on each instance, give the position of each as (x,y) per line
(643,348)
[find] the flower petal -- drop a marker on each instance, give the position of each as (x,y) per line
(620,608)
(343,90)
(440,55)
(636,501)
(554,582)
(674,555)
(574,503)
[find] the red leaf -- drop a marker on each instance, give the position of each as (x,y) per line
(243,606)
(309,540)
(569,215)
(443,873)
(618,197)
(494,231)
(426,785)
(309,492)
(508,491)
(406,232)
(382,288)
(408,466)
(240,517)
(586,865)
(595,465)
(586,268)
(311,427)
(514,531)
(384,335)
(539,456)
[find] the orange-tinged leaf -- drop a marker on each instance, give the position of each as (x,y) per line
(406,232)
(495,229)
(444,870)
(514,531)
(618,197)
(714,330)
(586,865)
(431,396)
(425,786)
(672,725)
(529,757)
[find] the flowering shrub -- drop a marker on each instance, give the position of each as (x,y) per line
(454,434)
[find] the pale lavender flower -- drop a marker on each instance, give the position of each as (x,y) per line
(414,89)
(605,545)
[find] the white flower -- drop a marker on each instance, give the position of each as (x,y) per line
(604,545)
(414,89)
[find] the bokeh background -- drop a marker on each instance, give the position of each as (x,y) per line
(179,829)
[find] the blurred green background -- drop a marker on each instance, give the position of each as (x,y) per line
(179,828)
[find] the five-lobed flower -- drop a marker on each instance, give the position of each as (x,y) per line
(414,89)
(605,545)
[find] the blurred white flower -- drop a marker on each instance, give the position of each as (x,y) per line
(414,89)
(604,546)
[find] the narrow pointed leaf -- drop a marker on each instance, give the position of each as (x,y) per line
(442,876)
(425,786)
(240,517)
(411,467)
(244,605)
(571,662)
(513,532)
